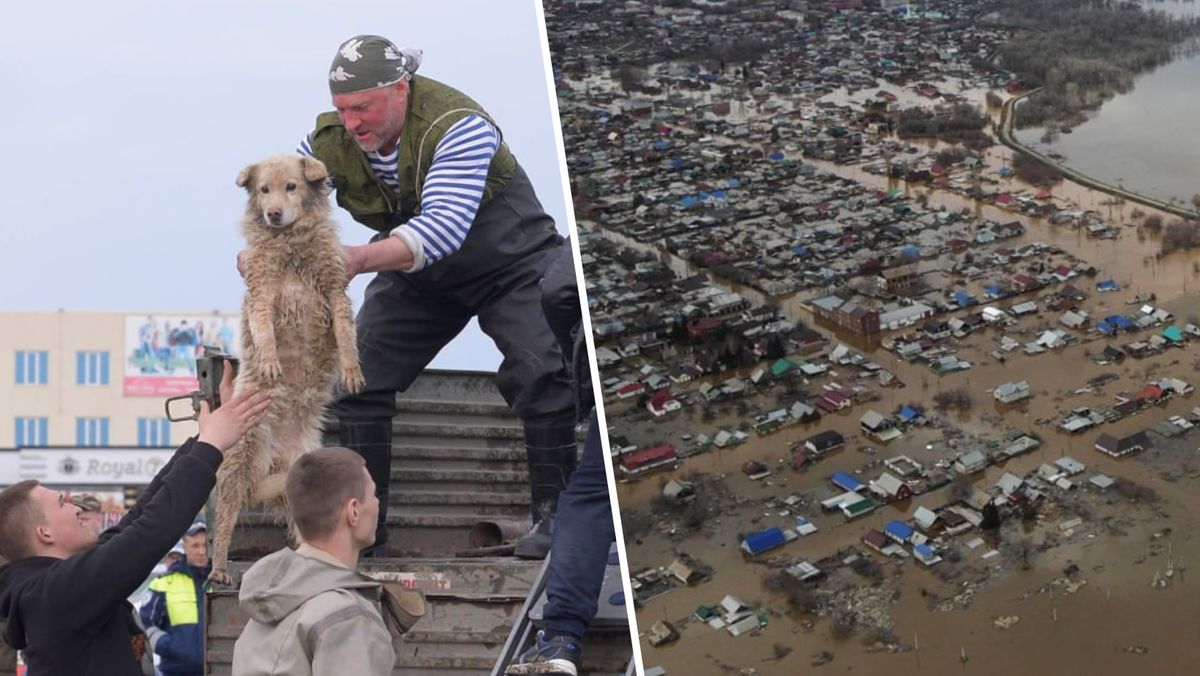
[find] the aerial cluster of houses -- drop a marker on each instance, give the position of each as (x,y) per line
(664,163)
(1157,393)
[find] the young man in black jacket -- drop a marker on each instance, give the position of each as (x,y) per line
(64,592)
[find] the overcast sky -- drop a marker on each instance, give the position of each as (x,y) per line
(126,123)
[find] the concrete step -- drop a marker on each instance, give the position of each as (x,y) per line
(457,454)
(456,429)
(450,479)
(466,503)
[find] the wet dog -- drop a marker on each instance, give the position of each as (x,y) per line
(297,334)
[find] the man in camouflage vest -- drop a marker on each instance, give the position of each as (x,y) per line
(460,234)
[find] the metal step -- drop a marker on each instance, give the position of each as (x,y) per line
(457,454)
(457,459)
(474,479)
(452,430)
(465,503)
(606,645)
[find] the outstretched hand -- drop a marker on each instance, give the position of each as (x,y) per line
(228,424)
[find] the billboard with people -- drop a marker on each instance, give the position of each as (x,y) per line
(161,350)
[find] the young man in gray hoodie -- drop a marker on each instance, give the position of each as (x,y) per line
(310,611)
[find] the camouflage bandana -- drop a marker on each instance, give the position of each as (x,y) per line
(368,62)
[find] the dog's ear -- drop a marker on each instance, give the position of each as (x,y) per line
(246,176)
(314,169)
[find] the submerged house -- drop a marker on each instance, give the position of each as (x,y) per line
(1009,393)
(1119,446)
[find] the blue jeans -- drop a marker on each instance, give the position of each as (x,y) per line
(583,534)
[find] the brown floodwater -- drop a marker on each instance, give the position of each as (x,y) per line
(1086,632)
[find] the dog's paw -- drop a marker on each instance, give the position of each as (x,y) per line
(352,378)
(220,576)
(270,367)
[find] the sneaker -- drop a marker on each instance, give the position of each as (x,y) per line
(557,655)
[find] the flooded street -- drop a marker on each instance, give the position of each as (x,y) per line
(1115,624)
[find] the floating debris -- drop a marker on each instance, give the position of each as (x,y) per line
(1006,622)
(1137,649)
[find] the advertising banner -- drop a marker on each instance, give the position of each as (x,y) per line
(161,350)
(92,466)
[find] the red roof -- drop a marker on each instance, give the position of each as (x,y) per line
(1149,392)
(875,539)
(648,456)
(1003,198)
(631,387)
(660,397)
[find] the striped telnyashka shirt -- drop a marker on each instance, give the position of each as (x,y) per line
(452,190)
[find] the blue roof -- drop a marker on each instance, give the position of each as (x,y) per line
(662,144)
(800,250)
(759,542)
(1106,328)
(908,413)
(1108,284)
(1120,322)
(688,201)
(776,156)
(924,550)
(910,251)
(992,289)
(733,182)
(676,162)
(962,298)
(846,482)
(898,530)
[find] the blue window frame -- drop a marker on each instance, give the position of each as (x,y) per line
(32,367)
(31,432)
(91,431)
(154,432)
(91,368)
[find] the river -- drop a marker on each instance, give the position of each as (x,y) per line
(1146,140)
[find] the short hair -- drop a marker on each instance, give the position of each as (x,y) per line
(319,484)
(18,515)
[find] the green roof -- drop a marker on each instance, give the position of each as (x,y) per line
(781,367)
(861,507)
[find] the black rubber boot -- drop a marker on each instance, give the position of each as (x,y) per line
(552,454)
(372,439)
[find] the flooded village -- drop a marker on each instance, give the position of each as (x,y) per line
(879,396)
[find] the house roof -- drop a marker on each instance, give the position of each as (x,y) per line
(924,517)
(972,458)
(648,456)
(872,419)
(826,439)
(875,539)
(756,543)
(889,483)
(846,482)
(898,530)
